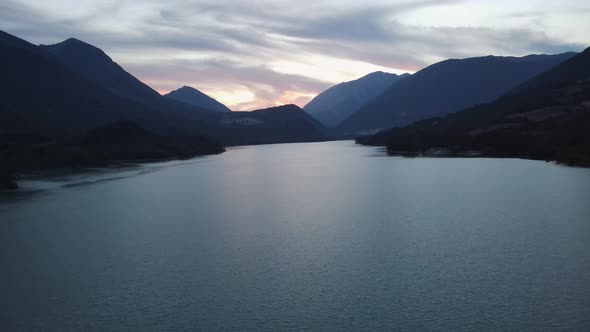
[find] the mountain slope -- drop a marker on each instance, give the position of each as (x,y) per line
(45,97)
(335,104)
(282,124)
(446,87)
(37,93)
(43,104)
(546,118)
(96,66)
(9,41)
(93,63)
(122,141)
(194,97)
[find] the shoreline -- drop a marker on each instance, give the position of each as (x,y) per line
(56,172)
(476,154)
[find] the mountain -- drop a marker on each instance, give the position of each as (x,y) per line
(334,105)
(192,96)
(446,87)
(41,93)
(281,124)
(545,118)
(48,104)
(179,116)
(37,93)
(44,104)
(95,64)
(48,91)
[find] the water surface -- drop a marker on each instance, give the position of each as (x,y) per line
(301,236)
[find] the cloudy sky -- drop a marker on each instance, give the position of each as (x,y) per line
(259,53)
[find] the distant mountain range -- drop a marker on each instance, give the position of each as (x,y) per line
(546,118)
(446,87)
(44,93)
(194,97)
(70,105)
(52,96)
(169,116)
(337,103)
(48,108)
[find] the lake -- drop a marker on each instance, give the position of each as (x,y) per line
(310,236)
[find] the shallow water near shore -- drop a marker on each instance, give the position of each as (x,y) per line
(300,236)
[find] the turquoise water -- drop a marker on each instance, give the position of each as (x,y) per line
(309,236)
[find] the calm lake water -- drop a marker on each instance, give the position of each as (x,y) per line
(301,237)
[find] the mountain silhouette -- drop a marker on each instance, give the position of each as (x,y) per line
(446,87)
(96,65)
(194,97)
(335,104)
(545,118)
(281,124)
(46,105)
(50,98)
(186,112)
(39,94)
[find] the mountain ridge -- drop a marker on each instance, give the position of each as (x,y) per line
(45,106)
(447,86)
(94,63)
(338,102)
(545,118)
(192,96)
(278,124)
